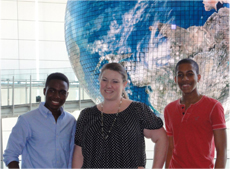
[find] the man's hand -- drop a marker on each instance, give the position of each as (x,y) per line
(13,164)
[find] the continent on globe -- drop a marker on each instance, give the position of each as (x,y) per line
(98,32)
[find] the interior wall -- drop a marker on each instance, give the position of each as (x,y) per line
(32,34)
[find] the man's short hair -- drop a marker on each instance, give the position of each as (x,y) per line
(57,75)
(190,61)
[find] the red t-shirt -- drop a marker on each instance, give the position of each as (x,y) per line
(192,132)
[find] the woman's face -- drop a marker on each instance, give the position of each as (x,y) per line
(111,85)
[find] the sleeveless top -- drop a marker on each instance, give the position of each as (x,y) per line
(125,145)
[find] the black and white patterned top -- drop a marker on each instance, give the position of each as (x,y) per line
(125,146)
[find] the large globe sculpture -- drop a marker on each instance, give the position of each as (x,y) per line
(148,38)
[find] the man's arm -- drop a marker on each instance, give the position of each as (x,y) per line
(220,138)
(170,151)
(16,143)
(160,139)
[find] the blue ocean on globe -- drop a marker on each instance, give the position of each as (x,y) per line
(148,38)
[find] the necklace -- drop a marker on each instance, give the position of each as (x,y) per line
(102,121)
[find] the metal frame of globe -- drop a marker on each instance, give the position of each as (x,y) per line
(148,38)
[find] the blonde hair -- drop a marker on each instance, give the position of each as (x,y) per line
(118,68)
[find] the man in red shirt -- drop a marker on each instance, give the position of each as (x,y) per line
(195,124)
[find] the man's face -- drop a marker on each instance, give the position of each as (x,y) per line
(55,93)
(209,4)
(187,78)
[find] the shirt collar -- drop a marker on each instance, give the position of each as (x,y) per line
(45,112)
(179,104)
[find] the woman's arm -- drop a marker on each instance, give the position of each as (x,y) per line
(159,137)
(77,157)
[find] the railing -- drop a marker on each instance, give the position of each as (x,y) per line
(22,96)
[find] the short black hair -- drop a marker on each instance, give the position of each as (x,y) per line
(190,61)
(57,75)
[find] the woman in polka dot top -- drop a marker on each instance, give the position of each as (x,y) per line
(111,134)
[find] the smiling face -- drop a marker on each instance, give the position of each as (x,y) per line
(187,78)
(111,85)
(55,93)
